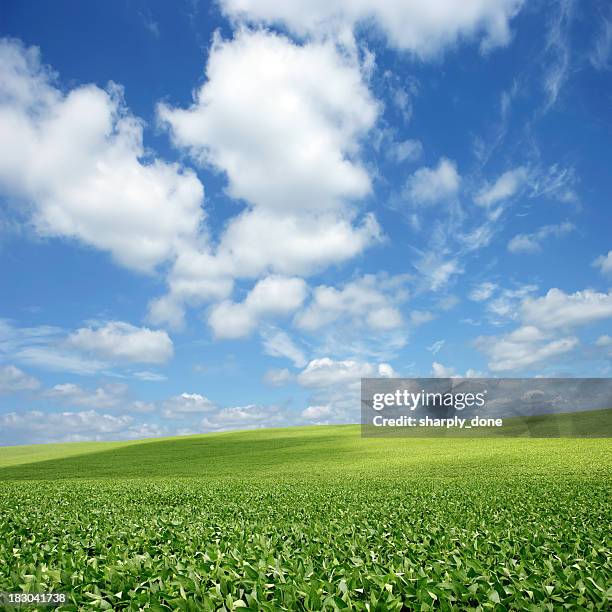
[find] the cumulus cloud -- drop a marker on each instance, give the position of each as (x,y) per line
(335,386)
(604,263)
(78,160)
(281,120)
(316,413)
(186,404)
(524,347)
(272,296)
(439,370)
(14,380)
(506,186)
(288,144)
(289,149)
(558,309)
(325,372)
(244,417)
(103,398)
(367,301)
(259,240)
(532,243)
(119,341)
(411,25)
(432,185)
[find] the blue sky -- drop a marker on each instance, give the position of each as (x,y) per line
(219,216)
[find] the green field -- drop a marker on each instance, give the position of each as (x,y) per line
(311,518)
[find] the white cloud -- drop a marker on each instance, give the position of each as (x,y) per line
(531,243)
(419,317)
(186,404)
(244,417)
(436,347)
(604,263)
(385,370)
(119,341)
(315,413)
(554,182)
(281,120)
(335,387)
(325,372)
(259,240)
(602,47)
(432,185)
(557,58)
(58,360)
(506,186)
(103,398)
(195,277)
(79,162)
(482,292)
(558,309)
(522,348)
(604,341)
(284,123)
(410,25)
(43,347)
(406,150)
(507,304)
(150,376)
(367,301)
(277,343)
(277,378)
(101,188)
(13,380)
(271,296)
(436,271)
(141,406)
(39,427)
(440,371)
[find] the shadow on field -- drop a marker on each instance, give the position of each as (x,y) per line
(338,451)
(232,454)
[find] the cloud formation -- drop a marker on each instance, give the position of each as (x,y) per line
(120,341)
(78,161)
(13,380)
(423,29)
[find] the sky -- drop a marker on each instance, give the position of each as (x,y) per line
(223,215)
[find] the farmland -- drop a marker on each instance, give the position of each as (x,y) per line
(311,518)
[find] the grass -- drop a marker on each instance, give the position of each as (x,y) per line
(311,518)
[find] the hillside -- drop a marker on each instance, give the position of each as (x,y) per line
(313,518)
(326,451)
